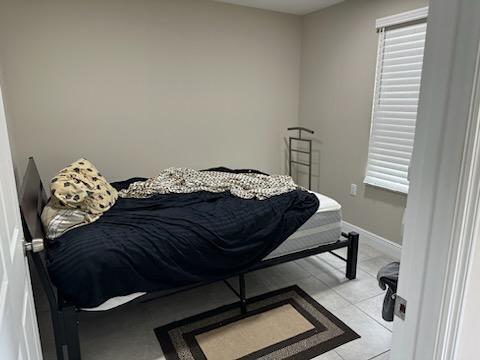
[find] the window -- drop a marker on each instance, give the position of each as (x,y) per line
(397,85)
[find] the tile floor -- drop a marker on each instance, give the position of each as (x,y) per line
(128,333)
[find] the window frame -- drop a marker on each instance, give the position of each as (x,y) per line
(383,25)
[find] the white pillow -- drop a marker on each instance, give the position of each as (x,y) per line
(57,221)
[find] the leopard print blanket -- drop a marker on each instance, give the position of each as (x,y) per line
(181,180)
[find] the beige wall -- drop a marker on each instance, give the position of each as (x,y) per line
(9,125)
(338,72)
(137,86)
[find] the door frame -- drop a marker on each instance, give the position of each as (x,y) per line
(443,195)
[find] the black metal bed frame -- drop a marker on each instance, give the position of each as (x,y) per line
(65,315)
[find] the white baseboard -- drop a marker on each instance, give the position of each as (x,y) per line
(388,247)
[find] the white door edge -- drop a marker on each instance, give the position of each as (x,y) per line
(442,171)
(464,233)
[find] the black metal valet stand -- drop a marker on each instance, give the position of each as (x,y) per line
(309,152)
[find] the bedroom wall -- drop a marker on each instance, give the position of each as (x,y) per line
(338,72)
(9,123)
(137,86)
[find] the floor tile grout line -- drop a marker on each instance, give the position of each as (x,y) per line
(338,293)
(371,317)
(339,269)
(361,266)
(369,298)
(340,356)
(349,301)
(376,356)
(335,291)
(324,262)
(366,272)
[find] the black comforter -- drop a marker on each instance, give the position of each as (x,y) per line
(169,241)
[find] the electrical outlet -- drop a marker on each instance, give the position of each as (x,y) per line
(353,189)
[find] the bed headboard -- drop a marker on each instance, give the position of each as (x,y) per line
(32,200)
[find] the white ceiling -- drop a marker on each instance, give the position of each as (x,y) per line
(297,7)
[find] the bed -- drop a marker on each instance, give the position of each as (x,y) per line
(320,233)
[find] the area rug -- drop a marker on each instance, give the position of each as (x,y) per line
(282,324)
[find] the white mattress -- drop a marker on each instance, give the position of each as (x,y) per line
(322,228)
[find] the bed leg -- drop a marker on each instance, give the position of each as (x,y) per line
(352,255)
(70,318)
(57,321)
(243,298)
(53,301)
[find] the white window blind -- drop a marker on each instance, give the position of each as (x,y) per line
(394,113)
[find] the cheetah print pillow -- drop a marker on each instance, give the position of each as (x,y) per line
(80,186)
